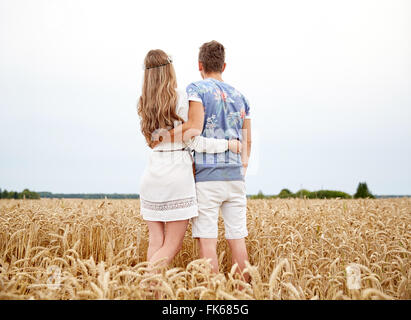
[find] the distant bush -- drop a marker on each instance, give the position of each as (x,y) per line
(322,194)
(260,195)
(329,194)
(363,192)
(304,193)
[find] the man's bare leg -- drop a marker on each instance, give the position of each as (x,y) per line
(239,255)
(208,250)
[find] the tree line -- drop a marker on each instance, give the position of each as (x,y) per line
(46,194)
(362,192)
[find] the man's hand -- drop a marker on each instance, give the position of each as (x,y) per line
(158,136)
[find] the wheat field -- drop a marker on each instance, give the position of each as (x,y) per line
(298,249)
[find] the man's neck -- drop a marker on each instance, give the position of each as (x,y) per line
(214,75)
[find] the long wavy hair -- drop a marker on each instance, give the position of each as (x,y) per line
(158,100)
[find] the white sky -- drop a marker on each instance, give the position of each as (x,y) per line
(328,81)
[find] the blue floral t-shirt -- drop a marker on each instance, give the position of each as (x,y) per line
(225,109)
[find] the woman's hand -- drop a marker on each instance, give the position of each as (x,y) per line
(234,146)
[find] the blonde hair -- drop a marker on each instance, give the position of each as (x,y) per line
(158,100)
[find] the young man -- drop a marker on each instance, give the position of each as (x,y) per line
(220,177)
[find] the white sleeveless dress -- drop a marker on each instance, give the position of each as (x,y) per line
(167,187)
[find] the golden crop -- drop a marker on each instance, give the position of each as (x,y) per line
(299,249)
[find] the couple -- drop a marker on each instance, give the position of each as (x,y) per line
(212,121)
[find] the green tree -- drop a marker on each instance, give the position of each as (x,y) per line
(363,192)
(27,194)
(285,193)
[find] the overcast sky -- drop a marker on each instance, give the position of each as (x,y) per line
(329,85)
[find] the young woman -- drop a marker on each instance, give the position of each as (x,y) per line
(167,189)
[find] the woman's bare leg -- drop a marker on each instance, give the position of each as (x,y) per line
(174,236)
(156,237)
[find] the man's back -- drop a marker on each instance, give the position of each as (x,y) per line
(225,110)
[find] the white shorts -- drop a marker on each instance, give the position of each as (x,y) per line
(230,196)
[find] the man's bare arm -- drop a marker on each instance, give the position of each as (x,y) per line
(194,125)
(246,143)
